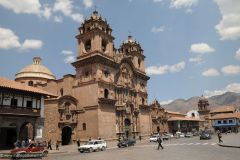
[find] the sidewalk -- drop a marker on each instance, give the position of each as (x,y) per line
(230,140)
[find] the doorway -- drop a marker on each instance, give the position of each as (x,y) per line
(66,135)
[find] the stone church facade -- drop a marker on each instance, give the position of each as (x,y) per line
(107,97)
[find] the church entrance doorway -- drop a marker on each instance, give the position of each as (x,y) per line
(127,123)
(66,135)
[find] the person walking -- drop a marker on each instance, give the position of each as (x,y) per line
(78,142)
(49,145)
(57,145)
(159,140)
(219,137)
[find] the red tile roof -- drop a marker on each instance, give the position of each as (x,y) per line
(10,84)
(183,119)
(172,112)
(226,116)
(223,109)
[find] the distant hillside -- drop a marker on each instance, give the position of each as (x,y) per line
(183,106)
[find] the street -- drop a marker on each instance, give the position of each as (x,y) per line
(175,149)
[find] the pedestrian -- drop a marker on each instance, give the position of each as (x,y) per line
(219,137)
(49,145)
(57,145)
(78,142)
(159,140)
(23,143)
(89,139)
(140,138)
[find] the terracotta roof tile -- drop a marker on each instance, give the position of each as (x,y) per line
(183,119)
(223,109)
(226,115)
(10,84)
(172,112)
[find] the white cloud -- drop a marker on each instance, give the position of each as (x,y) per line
(154,70)
(22,6)
(67,52)
(237,56)
(157,1)
(88,3)
(32,44)
(58,19)
(198,59)
(210,72)
(158,29)
(229,26)
(69,59)
(182,3)
(77,17)
(201,48)
(8,39)
(177,67)
(166,102)
(233,87)
(231,70)
(36,8)
(66,7)
(27,7)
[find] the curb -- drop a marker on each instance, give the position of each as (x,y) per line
(57,152)
(223,145)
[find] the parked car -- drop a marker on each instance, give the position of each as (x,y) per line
(126,143)
(93,145)
(32,148)
(188,134)
(205,135)
(154,138)
(167,136)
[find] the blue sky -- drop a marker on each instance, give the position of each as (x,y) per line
(192,47)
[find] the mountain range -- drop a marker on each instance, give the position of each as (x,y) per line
(183,106)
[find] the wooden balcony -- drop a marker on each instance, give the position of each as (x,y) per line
(19,111)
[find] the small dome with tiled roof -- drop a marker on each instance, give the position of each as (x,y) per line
(35,70)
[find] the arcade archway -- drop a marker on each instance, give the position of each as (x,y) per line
(8,136)
(26,131)
(66,135)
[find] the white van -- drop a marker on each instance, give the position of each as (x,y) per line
(93,145)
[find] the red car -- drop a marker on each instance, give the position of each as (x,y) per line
(32,148)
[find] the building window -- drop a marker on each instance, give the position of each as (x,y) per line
(104,45)
(14,102)
(219,122)
(225,122)
(106,73)
(230,121)
(84,126)
(88,45)
(193,115)
(139,63)
(61,92)
(30,83)
(106,93)
(86,74)
(142,101)
(29,104)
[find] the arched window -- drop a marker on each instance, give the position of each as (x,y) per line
(106,93)
(88,45)
(30,83)
(84,126)
(104,45)
(142,100)
(193,115)
(61,92)
(139,62)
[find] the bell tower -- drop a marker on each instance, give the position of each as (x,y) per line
(131,48)
(95,35)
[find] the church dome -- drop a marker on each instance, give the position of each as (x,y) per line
(35,70)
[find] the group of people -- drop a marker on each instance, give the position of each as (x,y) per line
(22,144)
